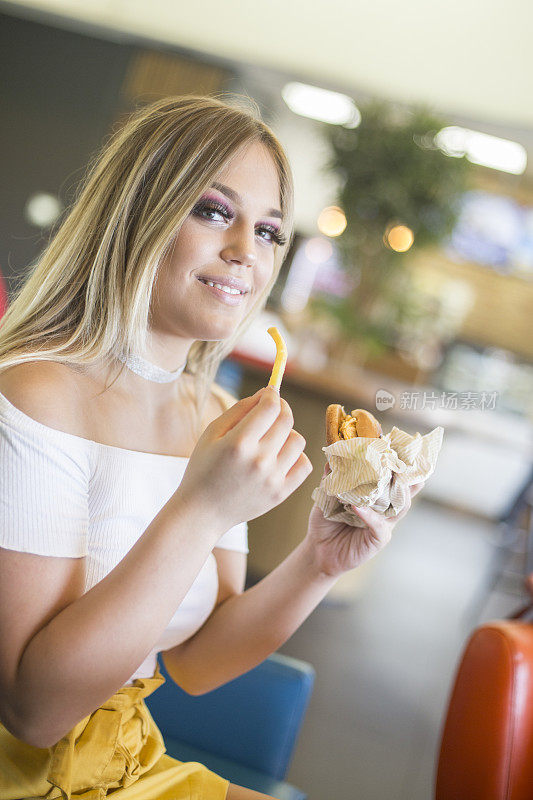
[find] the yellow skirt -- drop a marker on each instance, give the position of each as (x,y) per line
(118,750)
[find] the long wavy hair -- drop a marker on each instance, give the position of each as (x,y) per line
(87,296)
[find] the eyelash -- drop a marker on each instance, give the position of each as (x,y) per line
(225,211)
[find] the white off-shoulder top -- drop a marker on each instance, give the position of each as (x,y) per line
(63,495)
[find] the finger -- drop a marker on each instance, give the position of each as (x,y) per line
(229,418)
(275,438)
(297,474)
(416,487)
(259,419)
(364,514)
(291,451)
(375,523)
(363,511)
(369,515)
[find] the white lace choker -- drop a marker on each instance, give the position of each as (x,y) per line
(150,371)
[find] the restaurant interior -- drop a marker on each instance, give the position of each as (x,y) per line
(407,291)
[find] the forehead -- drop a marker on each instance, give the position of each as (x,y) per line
(253,174)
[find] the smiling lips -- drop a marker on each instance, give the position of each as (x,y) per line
(223,287)
(225,281)
(227,294)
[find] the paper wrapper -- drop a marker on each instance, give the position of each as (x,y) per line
(375,473)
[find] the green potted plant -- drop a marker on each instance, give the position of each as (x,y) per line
(391,174)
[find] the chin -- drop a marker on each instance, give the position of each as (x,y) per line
(217,335)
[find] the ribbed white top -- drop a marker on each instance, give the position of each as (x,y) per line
(63,495)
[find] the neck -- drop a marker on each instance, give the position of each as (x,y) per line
(149,371)
(168,352)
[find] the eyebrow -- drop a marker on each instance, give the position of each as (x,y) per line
(271,212)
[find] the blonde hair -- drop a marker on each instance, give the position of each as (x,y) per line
(88,294)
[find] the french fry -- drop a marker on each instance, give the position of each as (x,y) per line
(281,359)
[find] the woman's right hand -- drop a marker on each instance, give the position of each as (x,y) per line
(248,460)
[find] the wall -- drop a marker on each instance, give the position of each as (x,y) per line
(58,102)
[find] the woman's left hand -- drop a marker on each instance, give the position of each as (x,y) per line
(337,547)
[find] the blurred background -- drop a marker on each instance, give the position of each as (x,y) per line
(408,291)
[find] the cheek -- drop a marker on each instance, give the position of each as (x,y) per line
(184,249)
(266,272)
(182,259)
(189,243)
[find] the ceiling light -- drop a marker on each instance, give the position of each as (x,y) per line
(321,104)
(42,209)
(480,148)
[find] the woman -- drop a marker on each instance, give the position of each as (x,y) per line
(140,487)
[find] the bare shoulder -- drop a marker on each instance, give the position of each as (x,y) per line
(47,391)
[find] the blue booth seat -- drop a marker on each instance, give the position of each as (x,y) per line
(246,730)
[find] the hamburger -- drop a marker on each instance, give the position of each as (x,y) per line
(340,425)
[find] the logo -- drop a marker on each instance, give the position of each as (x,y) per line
(384,400)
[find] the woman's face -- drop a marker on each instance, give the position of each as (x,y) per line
(231,233)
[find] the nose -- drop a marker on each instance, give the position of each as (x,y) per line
(239,247)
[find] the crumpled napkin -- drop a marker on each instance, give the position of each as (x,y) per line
(375,473)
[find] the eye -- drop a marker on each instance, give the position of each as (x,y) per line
(274,234)
(203,208)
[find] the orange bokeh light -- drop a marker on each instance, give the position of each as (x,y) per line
(399,238)
(331,221)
